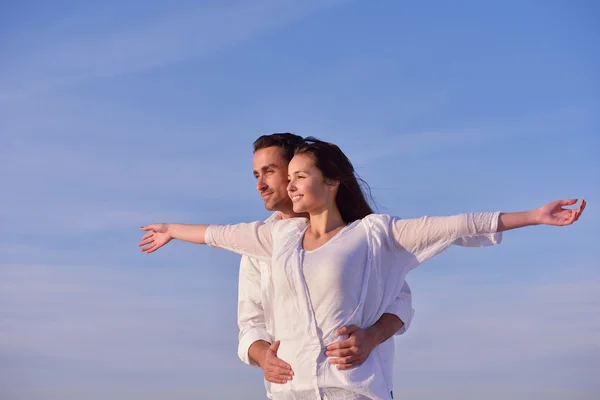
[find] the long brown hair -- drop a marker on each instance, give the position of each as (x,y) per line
(350,200)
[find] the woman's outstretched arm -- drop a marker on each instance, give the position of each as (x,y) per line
(548,214)
(424,237)
(251,239)
(157,235)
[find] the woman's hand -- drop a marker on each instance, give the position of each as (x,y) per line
(158,235)
(554,213)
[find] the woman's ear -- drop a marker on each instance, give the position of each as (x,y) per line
(332,184)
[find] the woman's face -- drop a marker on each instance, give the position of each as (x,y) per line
(307,187)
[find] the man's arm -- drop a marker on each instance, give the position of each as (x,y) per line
(251,316)
(385,327)
(255,345)
(355,350)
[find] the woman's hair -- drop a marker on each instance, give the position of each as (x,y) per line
(350,200)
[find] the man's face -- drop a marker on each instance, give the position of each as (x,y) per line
(271,172)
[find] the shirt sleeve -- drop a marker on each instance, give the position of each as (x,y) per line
(251,315)
(402,308)
(427,236)
(248,239)
(489,239)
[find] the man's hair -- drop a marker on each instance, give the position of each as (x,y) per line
(287,142)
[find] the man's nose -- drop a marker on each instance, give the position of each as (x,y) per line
(260,184)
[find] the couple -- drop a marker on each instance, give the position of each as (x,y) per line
(337,265)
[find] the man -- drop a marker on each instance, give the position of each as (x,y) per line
(272,153)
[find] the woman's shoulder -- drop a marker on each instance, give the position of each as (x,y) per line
(379,219)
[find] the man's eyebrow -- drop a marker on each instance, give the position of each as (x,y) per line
(266,167)
(269,166)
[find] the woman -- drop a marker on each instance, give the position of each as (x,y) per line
(344,265)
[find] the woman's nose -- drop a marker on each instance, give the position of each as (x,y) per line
(291,187)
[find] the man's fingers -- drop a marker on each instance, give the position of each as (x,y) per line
(276,380)
(275,361)
(277,370)
(274,346)
(346,330)
(279,363)
(342,344)
(350,365)
(146,228)
(349,351)
(343,360)
(279,373)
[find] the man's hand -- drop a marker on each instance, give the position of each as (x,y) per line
(158,235)
(353,351)
(275,369)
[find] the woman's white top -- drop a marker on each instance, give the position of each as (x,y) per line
(351,279)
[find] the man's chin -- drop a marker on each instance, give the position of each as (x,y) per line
(270,205)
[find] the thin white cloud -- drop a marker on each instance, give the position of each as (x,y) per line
(368,149)
(166,39)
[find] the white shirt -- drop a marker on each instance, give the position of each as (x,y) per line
(255,298)
(393,247)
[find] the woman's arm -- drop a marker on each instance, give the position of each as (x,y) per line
(160,234)
(548,214)
(424,237)
(251,239)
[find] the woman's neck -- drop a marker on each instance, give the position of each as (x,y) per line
(324,222)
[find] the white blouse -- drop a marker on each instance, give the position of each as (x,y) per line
(351,279)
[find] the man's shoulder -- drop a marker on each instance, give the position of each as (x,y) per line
(288,225)
(276,216)
(247,262)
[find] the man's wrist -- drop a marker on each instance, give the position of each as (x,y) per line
(258,350)
(385,328)
(376,335)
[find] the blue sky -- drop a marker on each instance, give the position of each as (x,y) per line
(118,114)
